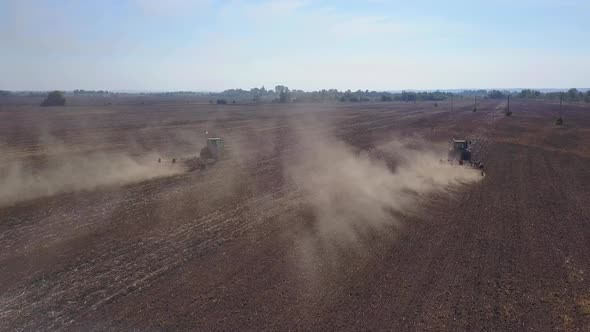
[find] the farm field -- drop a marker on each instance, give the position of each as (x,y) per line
(319,217)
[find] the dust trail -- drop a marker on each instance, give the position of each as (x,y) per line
(69,172)
(351,192)
(357,199)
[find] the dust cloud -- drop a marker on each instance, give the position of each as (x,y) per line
(73,172)
(351,192)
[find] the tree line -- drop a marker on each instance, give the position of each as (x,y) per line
(571,95)
(282,94)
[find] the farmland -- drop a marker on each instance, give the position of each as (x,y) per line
(320,217)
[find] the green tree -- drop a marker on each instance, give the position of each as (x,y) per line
(496,94)
(285,95)
(572,94)
(54,98)
(280,88)
(528,93)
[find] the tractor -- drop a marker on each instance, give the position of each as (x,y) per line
(213,150)
(208,155)
(460,151)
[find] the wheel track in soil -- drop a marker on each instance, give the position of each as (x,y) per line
(151,258)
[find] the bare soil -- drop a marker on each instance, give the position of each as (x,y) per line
(220,249)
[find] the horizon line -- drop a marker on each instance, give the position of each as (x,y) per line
(131,91)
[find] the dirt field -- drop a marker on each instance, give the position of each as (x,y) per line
(320,217)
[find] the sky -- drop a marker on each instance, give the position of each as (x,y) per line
(210,45)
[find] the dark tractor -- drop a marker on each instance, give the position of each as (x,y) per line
(460,151)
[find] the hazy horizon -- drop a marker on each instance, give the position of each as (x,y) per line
(132,91)
(210,46)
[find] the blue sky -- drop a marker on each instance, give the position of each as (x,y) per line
(213,45)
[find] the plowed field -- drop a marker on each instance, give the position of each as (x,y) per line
(311,220)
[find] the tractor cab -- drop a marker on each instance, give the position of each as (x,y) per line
(459,144)
(214,149)
(460,151)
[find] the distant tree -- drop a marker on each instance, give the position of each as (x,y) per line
(221,101)
(528,93)
(496,94)
(406,96)
(284,94)
(386,98)
(280,88)
(572,94)
(54,98)
(587,97)
(479,93)
(5,93)
(104,92)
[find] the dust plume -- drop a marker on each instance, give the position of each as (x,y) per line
(351,192)
(358,200)
(74,172)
